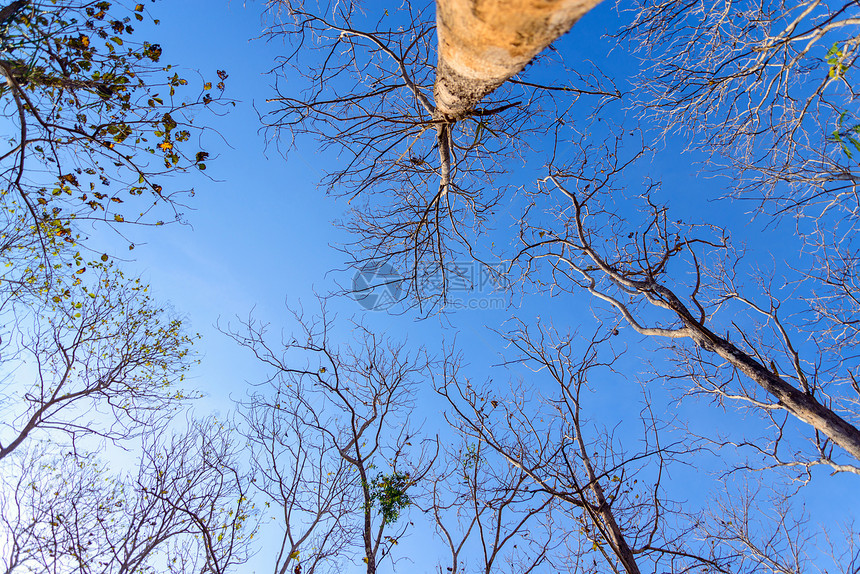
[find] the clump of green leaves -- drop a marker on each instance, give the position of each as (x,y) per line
(471,457)
(845,134)
(388,493)
(834,60)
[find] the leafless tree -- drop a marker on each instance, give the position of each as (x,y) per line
(613,500)
(767,91)
(741,76)
(305,482)
(676,283)
(490,515)
(332,441)
(184,510)
(199,479)
(613,505)
(424,176)
(770,86)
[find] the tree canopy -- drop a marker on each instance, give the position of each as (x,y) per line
(668,218)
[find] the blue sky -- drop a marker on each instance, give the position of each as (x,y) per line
(260,229)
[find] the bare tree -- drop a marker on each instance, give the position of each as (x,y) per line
(302,478)
(332,442)
(614,505)
(184,510)
(199,479)
(765,50)
(770,84)
(767,92)
(591,247)
(424,176)
(768,95)
(489,514)
(612,499)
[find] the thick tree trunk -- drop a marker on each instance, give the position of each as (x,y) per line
(482,43)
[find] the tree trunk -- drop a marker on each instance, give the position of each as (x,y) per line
(482,43)
(801,404)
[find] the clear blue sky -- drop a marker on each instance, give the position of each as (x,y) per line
(261,229)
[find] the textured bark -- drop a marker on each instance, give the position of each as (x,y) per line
(8,12)
(482,43)
(799,403)
(601,514)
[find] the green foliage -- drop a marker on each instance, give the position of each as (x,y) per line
(846,134)
(388,493)
(471,458)
(834,60)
